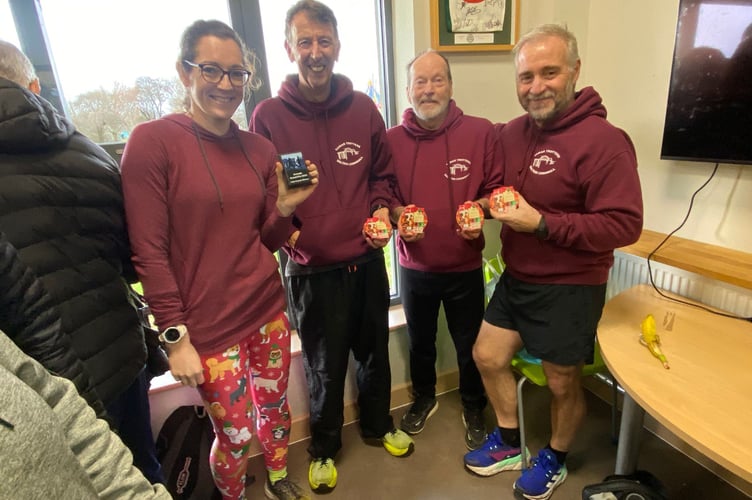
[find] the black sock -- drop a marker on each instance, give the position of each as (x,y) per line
(560,455)
(510,437)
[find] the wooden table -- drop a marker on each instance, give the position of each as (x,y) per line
(705,397)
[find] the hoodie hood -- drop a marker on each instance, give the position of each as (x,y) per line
(413,128)
(28,123)
(339,98)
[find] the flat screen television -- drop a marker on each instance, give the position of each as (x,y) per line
(709,111)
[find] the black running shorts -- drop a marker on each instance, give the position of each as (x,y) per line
(557,323)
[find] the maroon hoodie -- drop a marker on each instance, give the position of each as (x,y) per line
(580,172)
(201,229)
(345,137)
(438,170)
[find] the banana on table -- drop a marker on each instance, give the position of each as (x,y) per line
(650,339)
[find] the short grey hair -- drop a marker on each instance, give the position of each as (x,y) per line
(15,66)
(421,54)
(547,30)
(315,11)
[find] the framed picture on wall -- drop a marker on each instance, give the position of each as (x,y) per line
(474,25)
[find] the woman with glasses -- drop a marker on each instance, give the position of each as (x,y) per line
(205,204)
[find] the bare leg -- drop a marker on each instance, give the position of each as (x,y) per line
(493,351)
(568,406)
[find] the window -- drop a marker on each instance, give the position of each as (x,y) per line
(7,27)
(120,70)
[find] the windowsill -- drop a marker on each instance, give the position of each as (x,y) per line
(396,317)
(166,382)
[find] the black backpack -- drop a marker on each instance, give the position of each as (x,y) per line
(183,447)
(641,485)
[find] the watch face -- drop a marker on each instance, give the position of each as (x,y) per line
(172,335)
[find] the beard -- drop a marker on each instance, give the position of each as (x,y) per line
(557,102)
(431,112)
(543,113)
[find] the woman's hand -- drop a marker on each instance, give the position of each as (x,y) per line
(185,363)
(289,198)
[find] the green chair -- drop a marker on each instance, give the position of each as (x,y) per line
(492,269)
(530,369)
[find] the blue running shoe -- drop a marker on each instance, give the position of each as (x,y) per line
(539,481)
(493,457)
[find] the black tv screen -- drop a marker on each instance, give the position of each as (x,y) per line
(709,111)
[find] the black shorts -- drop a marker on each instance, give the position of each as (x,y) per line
(557,323)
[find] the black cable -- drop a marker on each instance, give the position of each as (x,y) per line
(650,255)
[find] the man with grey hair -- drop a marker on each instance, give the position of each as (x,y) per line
(578,198)
(16,67)
(337,286)
(61,211)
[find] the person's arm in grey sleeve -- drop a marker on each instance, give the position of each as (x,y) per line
(104,458)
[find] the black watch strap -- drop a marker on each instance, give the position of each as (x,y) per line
(542,230)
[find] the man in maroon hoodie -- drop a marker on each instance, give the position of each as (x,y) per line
(579,198)
(337,286)
(443,158)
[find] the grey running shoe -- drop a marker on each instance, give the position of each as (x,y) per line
(284,489)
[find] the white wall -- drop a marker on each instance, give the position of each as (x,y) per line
(626,49)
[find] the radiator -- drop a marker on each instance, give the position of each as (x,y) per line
(629,270)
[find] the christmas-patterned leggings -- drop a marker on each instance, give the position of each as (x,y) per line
(245,386)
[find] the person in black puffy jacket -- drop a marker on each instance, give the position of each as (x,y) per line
(32,321)
(61,209)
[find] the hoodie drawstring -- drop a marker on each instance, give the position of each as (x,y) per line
(208,167)
(413,167)
(452,201)
(211,172)
(325,156)
(253,167)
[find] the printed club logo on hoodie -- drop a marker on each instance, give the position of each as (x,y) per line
(544,161)
(348,154)
(459,169)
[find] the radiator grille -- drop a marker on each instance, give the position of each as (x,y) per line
(629,270)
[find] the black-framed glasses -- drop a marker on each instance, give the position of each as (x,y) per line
(214,74)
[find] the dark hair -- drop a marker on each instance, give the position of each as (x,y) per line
(421,54)
(201,28)
(315,11)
